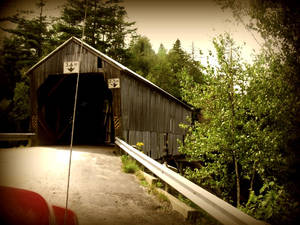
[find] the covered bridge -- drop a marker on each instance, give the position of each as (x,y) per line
(112,101)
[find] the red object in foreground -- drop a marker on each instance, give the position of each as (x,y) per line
(22,207)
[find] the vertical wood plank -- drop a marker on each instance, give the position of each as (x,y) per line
(145,112)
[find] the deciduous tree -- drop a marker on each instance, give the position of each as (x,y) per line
(242,141)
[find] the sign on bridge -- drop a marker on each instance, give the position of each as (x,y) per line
(113,83)
(71,67)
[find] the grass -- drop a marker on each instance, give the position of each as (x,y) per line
(161,197)
(159,184)
(151,188)
(129,165)
(187,201)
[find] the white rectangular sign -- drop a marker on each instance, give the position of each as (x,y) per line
(113,83)
(71,67)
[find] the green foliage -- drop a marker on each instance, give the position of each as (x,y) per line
(141,55)
(159,184)
(31,34)
(28,41)
(180,63)
(165,69)
(21,101)
(271,203)
(215,142)
(11,61)
(144,183)
(105,25)
(128,164)
(242,141)
(277,21)
(162,198)
(161,72)
(35,35)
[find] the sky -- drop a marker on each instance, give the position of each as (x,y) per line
(194,22)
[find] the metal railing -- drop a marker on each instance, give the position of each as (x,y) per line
(216,207)
(17,137)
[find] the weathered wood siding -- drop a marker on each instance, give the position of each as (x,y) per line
(142,112)
(53,65)
(151,117)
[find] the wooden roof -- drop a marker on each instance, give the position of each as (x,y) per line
(111,61)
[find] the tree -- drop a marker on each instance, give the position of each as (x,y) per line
(31,33)
(177,57)
(162,51)
(165,68)
(32,38)
(161,73)
(141,55)
(241,142)
(271,105)
(182,62)
(277,21)
(27,43)
(105,25)
(21,111)
(170,66)
(220,104)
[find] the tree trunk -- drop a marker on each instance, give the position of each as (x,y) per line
(238,188)
(252,177)
(231,100)
(94,24)
(41,20)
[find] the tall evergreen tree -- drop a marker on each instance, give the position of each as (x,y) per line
(162,51)
(177,57)
(27,43)
(31,32)
(105,25)
(141,55)
(181,60)
(161,72)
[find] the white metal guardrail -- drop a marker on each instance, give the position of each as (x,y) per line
(17,137)
(216,207)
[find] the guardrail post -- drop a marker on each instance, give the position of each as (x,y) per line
(166,185)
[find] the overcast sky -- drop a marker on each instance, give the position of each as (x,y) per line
(163,21)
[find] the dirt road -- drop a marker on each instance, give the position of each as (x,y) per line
(100,193)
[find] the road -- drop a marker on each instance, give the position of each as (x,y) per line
(100,193)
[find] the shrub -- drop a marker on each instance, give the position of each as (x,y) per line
(128,164)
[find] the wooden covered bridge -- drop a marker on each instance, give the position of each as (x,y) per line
(113,101)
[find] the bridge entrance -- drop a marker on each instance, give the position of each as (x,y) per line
(94,116)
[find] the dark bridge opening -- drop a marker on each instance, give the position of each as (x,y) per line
(94,120)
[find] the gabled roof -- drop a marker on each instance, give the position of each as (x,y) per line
(109,60)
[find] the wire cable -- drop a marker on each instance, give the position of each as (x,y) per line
(74,116)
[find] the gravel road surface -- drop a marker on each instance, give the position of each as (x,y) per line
(100,193)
